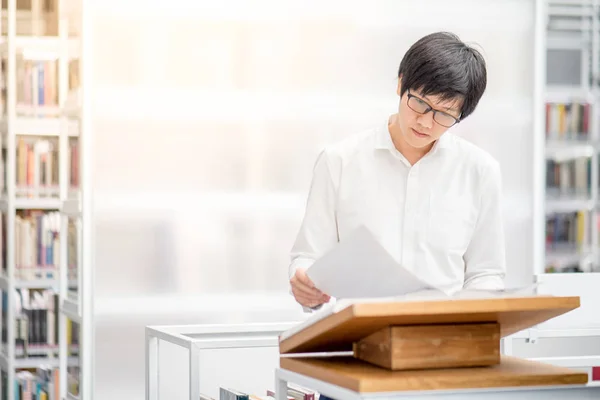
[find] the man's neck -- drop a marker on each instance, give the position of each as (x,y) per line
(412,155)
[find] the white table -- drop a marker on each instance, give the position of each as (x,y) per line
(263,364)
(244,356)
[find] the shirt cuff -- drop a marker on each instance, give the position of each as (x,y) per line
(490,282)
(303,263)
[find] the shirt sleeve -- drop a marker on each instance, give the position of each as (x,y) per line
(318,230)
(485,259)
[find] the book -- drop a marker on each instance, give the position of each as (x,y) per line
(37,323)
(296,392)
(230,394)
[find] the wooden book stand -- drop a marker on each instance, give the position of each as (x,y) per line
(434,344)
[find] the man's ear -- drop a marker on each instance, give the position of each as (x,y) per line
(399,87)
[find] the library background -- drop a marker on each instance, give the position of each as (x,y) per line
(156,157)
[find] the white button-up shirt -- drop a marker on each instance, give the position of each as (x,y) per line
(440,218)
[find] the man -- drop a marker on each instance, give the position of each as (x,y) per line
(431,198)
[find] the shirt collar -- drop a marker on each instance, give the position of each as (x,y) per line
(383,140)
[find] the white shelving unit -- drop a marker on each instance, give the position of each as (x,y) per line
(63,122)
(566,75)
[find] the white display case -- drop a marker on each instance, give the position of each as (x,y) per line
(241,356)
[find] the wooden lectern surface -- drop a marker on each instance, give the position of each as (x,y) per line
(337,332)
(362,377)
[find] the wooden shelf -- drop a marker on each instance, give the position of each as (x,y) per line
(359,376)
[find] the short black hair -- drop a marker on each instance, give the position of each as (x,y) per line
(441,64)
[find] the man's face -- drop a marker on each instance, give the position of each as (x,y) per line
(421,130)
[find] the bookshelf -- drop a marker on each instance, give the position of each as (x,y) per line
(566,161)
(566,121)
(42,133)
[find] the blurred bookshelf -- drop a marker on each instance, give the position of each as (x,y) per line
(571,136)
(40,126)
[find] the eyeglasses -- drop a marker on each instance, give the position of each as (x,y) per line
(422,107)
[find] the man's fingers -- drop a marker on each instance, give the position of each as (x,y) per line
(302,277)
(308,302)
(304,300)
(306,292)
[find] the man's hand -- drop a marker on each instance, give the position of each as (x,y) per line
(305,291)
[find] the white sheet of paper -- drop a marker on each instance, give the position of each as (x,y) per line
(359,267)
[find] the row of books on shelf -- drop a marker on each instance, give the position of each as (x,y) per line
(40,384)
(566,230)
(572,176)
(37,244)
(37,171)
(37,324)
(37,239)
(42,18)
(572,267)
(566,121)
(37,162)
(295,392)
(567,237)
(37,82)
(569,231)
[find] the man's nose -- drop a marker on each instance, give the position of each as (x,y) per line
(426,120)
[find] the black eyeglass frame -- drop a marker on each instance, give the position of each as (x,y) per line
(429,108)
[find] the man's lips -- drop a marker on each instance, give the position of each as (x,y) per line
(419,134)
